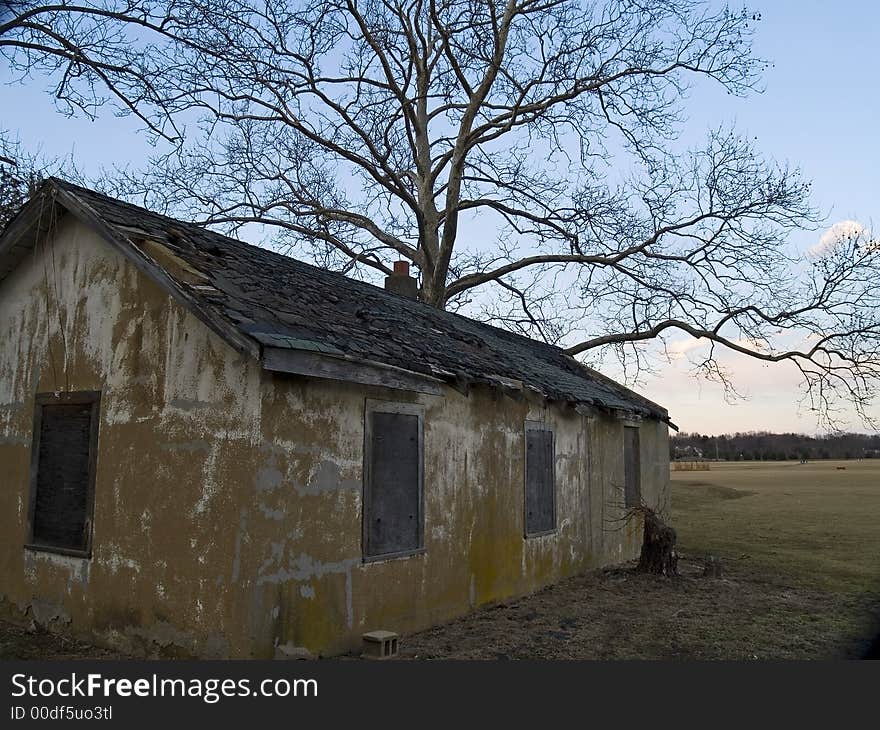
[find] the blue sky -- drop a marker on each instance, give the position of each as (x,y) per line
(818,111)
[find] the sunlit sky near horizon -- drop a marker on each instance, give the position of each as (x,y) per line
(818,111)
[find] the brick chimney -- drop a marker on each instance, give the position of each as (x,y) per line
(400,282)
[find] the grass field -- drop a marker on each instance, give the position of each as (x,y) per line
(815,525)
(811,531)
(800,549)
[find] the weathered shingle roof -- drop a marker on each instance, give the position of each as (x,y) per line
(280,302)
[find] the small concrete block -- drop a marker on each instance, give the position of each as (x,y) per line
(379,635)
(380,644)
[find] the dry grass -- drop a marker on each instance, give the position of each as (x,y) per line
(18,642)
(620,614)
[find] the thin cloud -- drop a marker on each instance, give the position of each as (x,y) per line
(679,348)
(840,231)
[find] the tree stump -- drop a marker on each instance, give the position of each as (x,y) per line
(658,547)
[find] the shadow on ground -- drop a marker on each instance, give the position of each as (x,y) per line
(622,614)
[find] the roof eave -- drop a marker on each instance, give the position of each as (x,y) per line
(353,370)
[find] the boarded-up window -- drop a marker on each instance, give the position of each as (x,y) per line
(63,472)
(393,484)
(632,466)
(540,507)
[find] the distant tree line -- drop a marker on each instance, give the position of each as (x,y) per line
(765,446)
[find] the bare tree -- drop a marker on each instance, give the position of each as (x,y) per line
(13,185)
(19,174)
(97,51)
(522,154)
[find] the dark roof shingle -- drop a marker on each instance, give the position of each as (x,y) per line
(280,301)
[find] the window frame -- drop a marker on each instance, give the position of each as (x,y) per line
(410,409)
(637,427)
(83,397)
(538,426)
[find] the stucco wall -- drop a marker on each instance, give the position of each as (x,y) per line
(228,500)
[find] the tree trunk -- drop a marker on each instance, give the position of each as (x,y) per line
(658,547)
(433,289)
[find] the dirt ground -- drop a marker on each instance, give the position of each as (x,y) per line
(621,614)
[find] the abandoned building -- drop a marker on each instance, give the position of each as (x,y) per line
(210,449)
